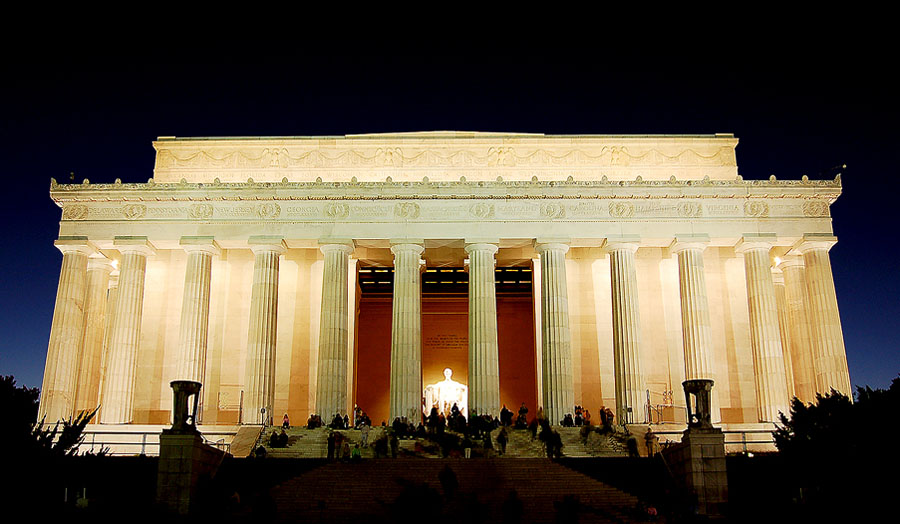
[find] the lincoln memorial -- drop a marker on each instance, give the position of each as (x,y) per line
(306,275)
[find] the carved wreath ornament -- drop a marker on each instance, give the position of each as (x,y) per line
(482,210)
(407,210)
(200,211)
(134,211)
(76,212)
(756,209)
(337,210)
(690,209)
(815,208)
(268,210)
(553,210)
(621,209)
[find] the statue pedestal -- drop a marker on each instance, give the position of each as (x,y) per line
(184,462)
(698,464)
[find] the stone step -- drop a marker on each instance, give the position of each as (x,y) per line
(366,490)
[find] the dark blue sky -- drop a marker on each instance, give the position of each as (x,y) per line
(98,117)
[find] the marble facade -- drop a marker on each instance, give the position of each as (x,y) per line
(236,265)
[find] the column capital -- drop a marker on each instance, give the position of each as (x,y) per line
(201,245)
(551,244)
(333,244)
(267,244)
(134,244)
(752,242)
(481,246)
(815,241)
(622,243)
(405,247)
(790,260)
(100,262)
(685,242)
(73,244)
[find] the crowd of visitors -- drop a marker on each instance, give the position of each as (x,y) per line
(476,431)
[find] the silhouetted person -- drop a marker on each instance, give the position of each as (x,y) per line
(502,439)
(650,441)
(330,442)
(632,446)
(395,444)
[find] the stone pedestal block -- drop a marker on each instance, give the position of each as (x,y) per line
(185,462)
(698,465)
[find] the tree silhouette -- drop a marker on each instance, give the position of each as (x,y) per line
(837,451)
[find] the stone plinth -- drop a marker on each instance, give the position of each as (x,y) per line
(184,462)
(698,465)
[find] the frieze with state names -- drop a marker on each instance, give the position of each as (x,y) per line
(448,210)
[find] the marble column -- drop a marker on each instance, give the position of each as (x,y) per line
(696,330)
(765,334)
(484,359)
(195,308)
(111,298)
(259,371)
(406,333)
(626,323)
(559,391)
(331,384)
(797,305)
(825,321)
(125,337)
(66,332)
(784,328)
(88,387)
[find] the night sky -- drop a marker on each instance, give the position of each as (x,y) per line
(97,118)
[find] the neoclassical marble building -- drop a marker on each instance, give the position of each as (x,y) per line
(304,275)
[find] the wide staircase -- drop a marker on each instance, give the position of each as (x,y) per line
(410,489)
(312,443)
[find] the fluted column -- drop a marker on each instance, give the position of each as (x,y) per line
(696,329)
(626,321)
(825,320)
(558,395)
(797,304)
(111,298)
(765,335)
(484,366)
(125,337)
(88,385)
(66,331)
(259,373)
(331,385)
(406,333)
(784,328)
(195,308)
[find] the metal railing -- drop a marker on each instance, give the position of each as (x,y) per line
(148,444)
(743,441)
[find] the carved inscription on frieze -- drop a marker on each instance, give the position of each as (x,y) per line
(720,210)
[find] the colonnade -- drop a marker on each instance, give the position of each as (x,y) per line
(95,333)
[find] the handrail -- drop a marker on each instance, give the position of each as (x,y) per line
(743,442)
